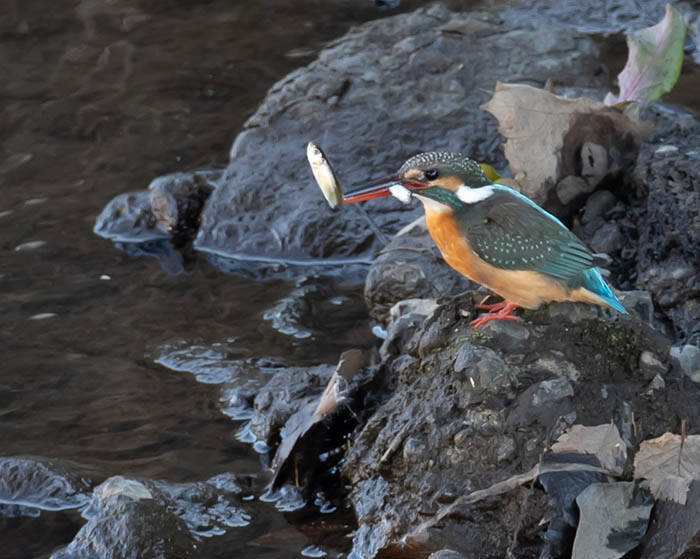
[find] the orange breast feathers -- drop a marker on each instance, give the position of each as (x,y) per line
(454,247)
(525,288)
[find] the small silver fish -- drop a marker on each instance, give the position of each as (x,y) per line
(324,175)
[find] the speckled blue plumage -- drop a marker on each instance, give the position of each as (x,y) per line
(511,232)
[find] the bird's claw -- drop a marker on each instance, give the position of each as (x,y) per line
(491,308)
(498,311)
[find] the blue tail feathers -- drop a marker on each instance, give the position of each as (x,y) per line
(594,282)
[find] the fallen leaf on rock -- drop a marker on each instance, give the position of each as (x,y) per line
(669,465)
(301,435)
(654,60)
(614,518)
(602,441)
(673,528)
(550,138)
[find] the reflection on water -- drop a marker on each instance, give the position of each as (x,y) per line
(99,98)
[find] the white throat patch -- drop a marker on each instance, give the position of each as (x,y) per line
(470,195)
(401,192)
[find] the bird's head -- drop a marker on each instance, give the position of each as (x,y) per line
(449,179)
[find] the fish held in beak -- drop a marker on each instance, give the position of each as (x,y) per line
(329,184)
(324,174)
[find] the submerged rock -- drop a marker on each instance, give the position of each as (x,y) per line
(43,483)
(146,518)
(169,208)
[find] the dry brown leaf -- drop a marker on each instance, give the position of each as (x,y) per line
(546,135)
(299,435)
(669,465)
(602,441)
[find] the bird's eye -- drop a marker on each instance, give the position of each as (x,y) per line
(431,174)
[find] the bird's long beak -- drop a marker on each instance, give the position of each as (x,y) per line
(380,188)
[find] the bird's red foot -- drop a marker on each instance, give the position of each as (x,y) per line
(498,311)
(492,308)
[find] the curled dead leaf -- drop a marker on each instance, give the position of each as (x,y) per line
(654,60)
(550,138)
(669,464)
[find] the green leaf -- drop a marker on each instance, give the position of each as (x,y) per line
(654,62)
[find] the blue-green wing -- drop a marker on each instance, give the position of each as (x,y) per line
(511,232)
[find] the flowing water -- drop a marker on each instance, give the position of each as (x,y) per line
(97,98)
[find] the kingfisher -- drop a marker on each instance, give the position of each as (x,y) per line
(495,236)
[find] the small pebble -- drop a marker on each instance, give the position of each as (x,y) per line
(105,277)
(666,149)
(379,332)
(312,551)
(261,447)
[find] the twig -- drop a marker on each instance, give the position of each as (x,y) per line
(680,450)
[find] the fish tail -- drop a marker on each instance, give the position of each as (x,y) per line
(593,281)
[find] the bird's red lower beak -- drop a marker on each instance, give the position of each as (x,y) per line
(375,189)
(379,189)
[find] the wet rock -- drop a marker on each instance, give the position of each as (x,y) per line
(289,390)
(341,96)
(171,206)
(657,383)
(424,307)
(572,187)
(410,266)
(129,218)
(222,363)
(319,428)
(614,518)
(178,199)
(650,365)
(563,488)
(597,205)
(641,303)
(554,362)
(170,258)
(446,554)
(146,518)
(507,334)
(290,314)
(44,483)
(674,528)
(607,239)
(545,403)
(688,359)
